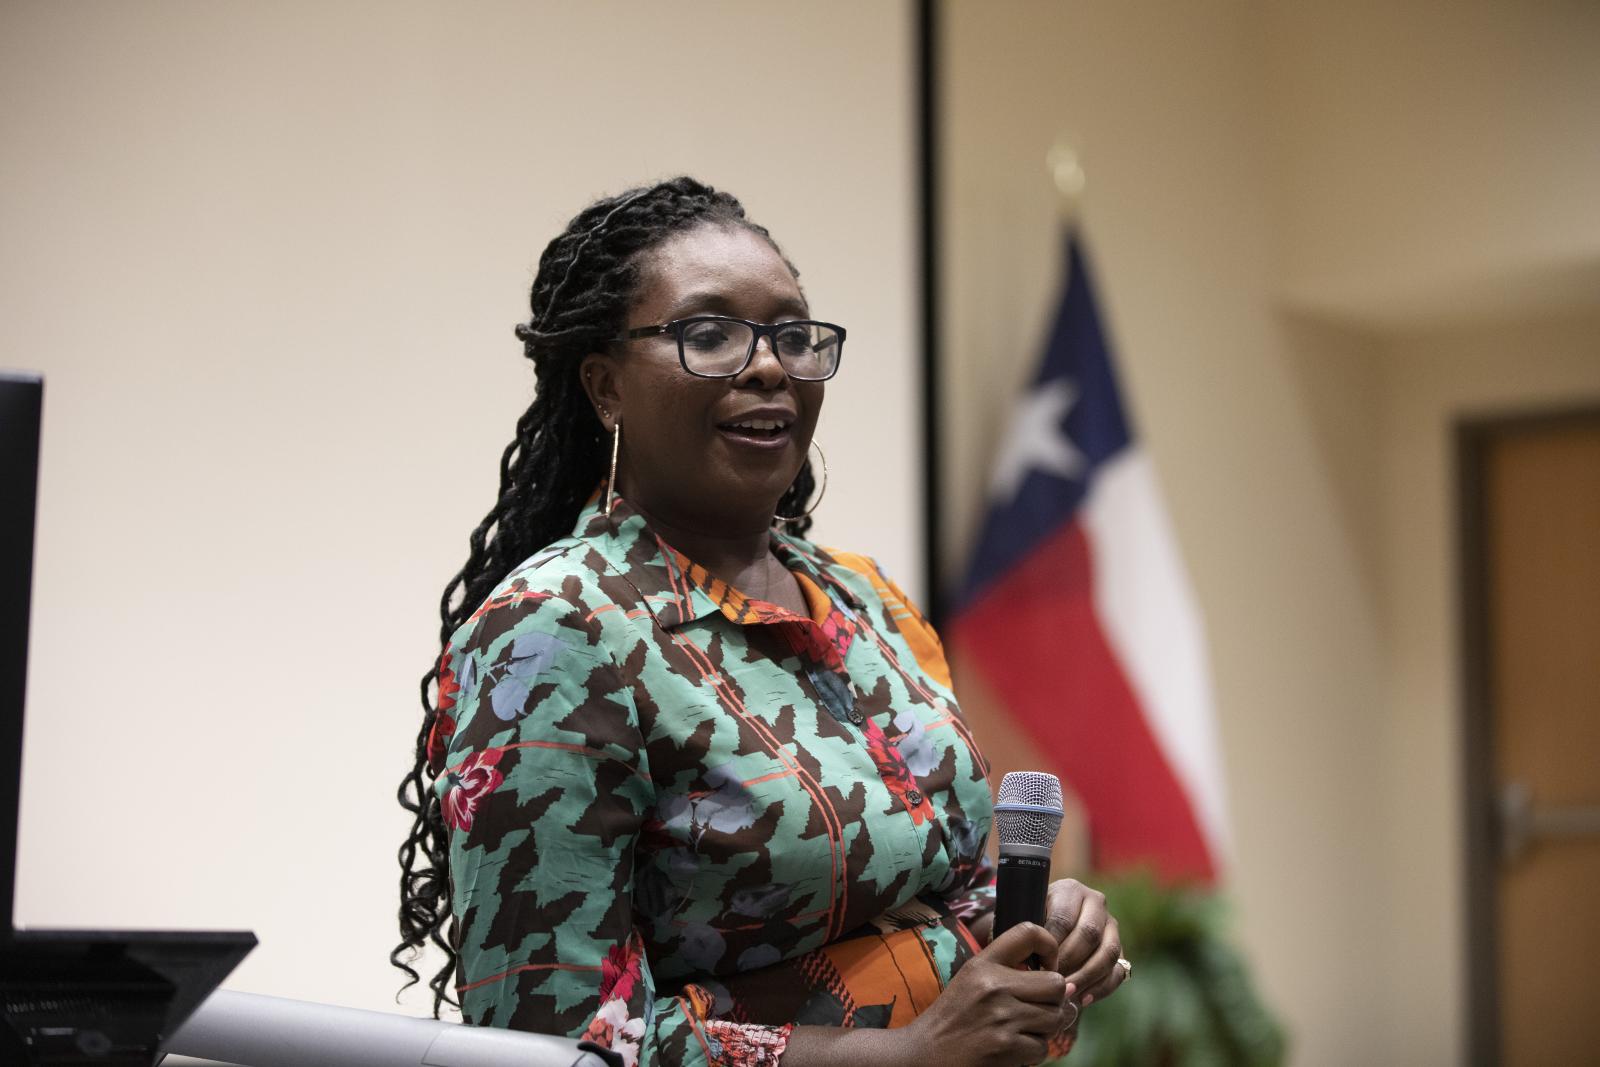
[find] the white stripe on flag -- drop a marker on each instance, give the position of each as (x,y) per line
(1142,597)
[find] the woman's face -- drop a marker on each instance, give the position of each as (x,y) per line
(685,460)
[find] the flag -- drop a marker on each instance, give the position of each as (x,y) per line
(1078,617)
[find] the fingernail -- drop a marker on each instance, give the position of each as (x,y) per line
(1088,999)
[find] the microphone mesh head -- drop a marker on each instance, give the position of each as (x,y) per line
(1019,792)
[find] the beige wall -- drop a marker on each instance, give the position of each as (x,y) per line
(1432,158)
(1321,233)
(268,257)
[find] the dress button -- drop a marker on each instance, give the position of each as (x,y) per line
(857,718)
(913,798)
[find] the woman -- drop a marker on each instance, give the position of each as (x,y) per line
(700,791)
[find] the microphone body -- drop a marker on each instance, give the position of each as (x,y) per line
(1020,885)
(1028,816)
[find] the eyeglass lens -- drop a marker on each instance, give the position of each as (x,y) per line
(807,350)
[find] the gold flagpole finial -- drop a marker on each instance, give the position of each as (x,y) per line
(1066,170)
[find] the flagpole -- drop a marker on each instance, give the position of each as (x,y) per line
(1064,163)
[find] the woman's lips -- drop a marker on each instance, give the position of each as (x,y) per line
(772,439)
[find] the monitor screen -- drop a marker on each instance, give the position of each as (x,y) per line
(20,402)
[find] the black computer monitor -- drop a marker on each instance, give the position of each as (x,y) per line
(108,997)
(20,402)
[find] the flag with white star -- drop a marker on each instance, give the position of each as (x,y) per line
(1078,618)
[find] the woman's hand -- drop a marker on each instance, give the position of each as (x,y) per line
(993,1012)
(1090,944)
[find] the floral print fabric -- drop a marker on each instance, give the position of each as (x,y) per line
(684,820)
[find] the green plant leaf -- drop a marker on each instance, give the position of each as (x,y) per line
(1191,1002)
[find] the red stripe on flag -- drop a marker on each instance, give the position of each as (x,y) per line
(1035,636)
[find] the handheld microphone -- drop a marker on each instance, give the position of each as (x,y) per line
(1028,815)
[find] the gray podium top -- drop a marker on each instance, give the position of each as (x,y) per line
(249,1030)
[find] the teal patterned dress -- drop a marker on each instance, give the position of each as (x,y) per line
(683,820)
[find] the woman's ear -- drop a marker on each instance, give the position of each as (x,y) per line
(599,374)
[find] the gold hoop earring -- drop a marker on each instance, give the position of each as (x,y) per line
(823,491)
(611,481)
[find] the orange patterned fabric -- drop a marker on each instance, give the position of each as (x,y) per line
(922,638)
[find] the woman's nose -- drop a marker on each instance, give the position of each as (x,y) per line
(765,367)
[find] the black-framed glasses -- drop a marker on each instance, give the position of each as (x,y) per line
(719,346)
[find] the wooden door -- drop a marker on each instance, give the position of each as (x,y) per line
(1537,550)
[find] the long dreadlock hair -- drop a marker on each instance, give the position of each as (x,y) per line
(579,302)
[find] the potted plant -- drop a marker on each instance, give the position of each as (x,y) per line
(1189,1001)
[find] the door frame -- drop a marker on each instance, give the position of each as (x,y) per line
(1473,436)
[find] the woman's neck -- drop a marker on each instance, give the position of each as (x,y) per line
(742,558)
(714,546)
